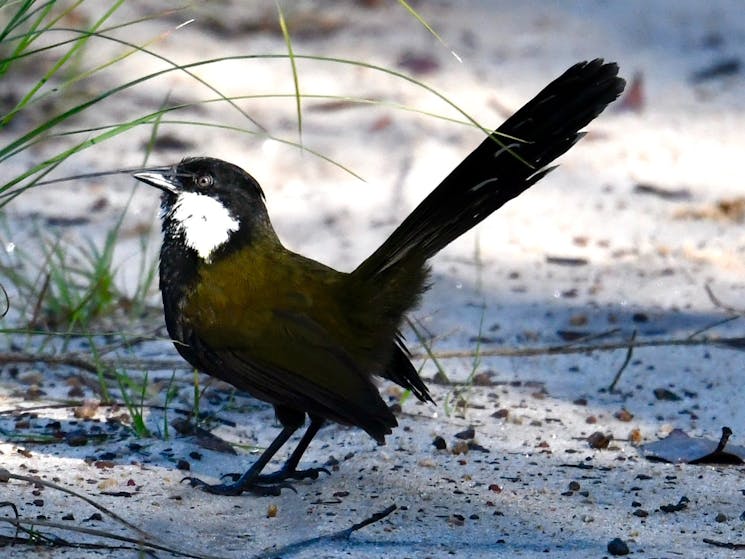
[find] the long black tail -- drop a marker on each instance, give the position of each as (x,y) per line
(501,168)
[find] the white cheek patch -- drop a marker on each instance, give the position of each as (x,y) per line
(204,221)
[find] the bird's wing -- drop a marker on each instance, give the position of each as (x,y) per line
(298,365)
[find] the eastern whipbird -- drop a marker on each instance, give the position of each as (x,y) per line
(307,338)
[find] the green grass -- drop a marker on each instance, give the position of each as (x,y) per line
(171,393)
(133,393)
(67,287)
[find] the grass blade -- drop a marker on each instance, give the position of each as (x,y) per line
(295,80)
(428,27)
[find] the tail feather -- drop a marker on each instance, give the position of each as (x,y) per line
(508,162)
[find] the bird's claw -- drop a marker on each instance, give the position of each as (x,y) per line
(297,475)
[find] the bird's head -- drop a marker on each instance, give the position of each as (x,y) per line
(208,203)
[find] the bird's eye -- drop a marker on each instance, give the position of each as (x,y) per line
(205,181)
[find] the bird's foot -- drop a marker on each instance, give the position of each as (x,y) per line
(239,486)
(284,474)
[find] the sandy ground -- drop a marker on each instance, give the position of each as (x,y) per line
(528,484)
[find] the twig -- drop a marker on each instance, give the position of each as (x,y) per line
(726,545)
(718,303)
(726,434)
(713,325)
(70,359)
(629,353)
(78,361)
(375,517)
(592,337)
(128,343)
(334,536)
(586,348)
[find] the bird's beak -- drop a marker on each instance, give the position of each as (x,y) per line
(165,180)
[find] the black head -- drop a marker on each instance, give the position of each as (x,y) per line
(208,204)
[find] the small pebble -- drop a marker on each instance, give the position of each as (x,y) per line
(483,379)
(623,415)
(618,547)
(466,435)
(665,394)
(76,438)
(599,440)
(461,447)
(682,505)
(477,447)
(635,437)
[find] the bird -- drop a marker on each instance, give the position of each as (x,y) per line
(311,340)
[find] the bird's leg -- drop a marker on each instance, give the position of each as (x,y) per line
(251,481)
(289,468)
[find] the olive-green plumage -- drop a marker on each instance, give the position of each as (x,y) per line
(310,339)
(310,324)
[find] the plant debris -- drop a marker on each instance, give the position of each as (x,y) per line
(678,447)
